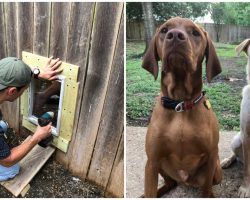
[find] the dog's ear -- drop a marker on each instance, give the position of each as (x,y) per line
(151,58)
(242,46)
(213,66)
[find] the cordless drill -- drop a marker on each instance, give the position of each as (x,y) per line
(44,120)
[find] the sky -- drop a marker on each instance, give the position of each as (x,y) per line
(206,19)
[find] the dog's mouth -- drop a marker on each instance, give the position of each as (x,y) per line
(177,61)
(175,58)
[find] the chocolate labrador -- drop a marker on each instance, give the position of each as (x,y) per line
(183,134)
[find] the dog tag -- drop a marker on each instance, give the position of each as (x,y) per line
(207,104)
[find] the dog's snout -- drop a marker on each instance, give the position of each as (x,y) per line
(176,35)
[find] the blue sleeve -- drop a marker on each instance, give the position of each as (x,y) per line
(4,149)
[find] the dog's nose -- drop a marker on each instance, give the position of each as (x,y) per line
(176,35)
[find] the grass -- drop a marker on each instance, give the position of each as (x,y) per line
(224,94)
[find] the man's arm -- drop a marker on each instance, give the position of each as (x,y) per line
(17,153)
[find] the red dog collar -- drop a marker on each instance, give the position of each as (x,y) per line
(180,106)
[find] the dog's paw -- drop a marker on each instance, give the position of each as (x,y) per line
(227,162)
(244,191)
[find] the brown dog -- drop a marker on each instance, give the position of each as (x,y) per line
(183,134)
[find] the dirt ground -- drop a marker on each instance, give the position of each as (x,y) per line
(136,159)
(53,181)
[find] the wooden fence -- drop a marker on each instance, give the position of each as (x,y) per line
(89,35)
(228,33)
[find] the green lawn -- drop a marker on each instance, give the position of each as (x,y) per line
(224,93)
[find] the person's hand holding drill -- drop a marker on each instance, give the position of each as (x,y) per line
(42,132)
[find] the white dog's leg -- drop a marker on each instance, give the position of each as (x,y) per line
(244,190)
(236,146)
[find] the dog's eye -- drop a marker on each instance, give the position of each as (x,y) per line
(195,33)
(164,30)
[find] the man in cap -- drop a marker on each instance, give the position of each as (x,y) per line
(15,77)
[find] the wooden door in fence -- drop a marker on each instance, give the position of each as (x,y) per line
(89,35)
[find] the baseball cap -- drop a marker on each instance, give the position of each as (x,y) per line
(14,72)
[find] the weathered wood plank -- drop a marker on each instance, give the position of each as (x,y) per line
(116,182)
(11,109)
(25,190)
(59,31)
(25,18)
(30,165)
(104,37)
(77,52)
(11,28)
(42,14)
(112,119)
(3,50)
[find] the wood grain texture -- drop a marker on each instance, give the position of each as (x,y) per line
(25,190)
(112,119)
(42,14)
(59,29)
(10,10)
(116,182)
(11,109)
(84,34)
(25,19)
(30,165)
(77,53)
(104,37)
(3,50)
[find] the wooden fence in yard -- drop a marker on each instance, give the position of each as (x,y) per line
(228,33)
(89,35)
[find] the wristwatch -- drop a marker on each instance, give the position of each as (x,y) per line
(36,72)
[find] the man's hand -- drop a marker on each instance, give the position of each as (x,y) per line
(42,132)
(50,70)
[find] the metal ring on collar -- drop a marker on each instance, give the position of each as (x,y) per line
(179,107)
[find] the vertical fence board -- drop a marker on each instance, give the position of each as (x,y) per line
(89,35)
(104,35)
(25,21)
(59,29)
(11,28)
(111,126)
(2,33)
(11,109)
(42,13)
(25,17)
(77,52)
(116,181)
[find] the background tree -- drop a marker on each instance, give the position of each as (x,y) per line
(218,16)
(149,13)
(166,10)
(163,11)
(237,13)
(149,25)
(134,11)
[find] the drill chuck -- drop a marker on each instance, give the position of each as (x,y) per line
(45,119)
